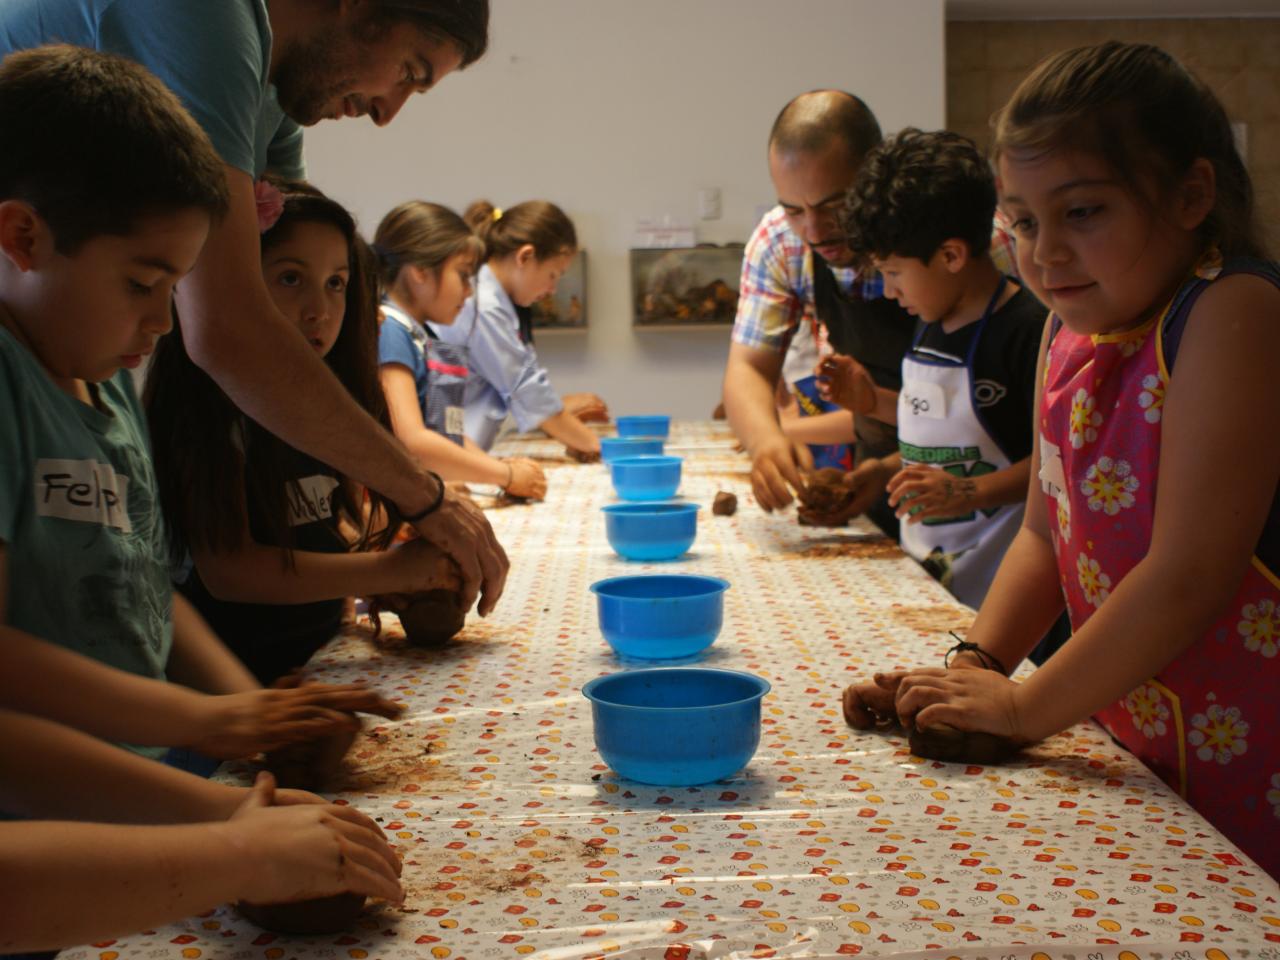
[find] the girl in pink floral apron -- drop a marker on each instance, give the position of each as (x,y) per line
(1157,522)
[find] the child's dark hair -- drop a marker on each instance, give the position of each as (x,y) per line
(535,223)
(95,143)
(1142,111)
(917,190)
(210,457)
(421,234)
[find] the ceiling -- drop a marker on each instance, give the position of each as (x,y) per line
(1107,9)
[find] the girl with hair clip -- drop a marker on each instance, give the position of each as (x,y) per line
(279,539)
(527,249)
(1153,513)
(427,256)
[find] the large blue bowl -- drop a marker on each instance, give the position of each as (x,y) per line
(660,616)
(611,448)
(644,427)
(651,531)
(677,726)
(646,478)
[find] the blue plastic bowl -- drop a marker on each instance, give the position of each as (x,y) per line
(677,726)
(611,448)
(644,427)
(646,478)
(651,531)
(661,616)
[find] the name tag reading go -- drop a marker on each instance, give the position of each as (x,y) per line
(922,399)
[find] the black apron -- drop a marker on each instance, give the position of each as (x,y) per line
(877,333)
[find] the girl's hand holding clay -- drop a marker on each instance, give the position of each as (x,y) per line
(303,851)
(237,725)
(527,479)
(970,700)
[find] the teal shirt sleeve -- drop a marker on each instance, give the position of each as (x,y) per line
(284,156)
(213,54)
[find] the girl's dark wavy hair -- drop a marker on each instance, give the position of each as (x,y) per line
(1146,115)
(200,438)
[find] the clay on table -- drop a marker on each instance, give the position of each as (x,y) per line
(946,743)
(582,456)
(321,915)
(725,504)
(433,617)
(312,764)
(826,499)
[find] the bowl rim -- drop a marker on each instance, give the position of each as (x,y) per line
(648,460)
(588,689)
(651,508)
(718,582)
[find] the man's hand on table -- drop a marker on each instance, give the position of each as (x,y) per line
(460,529)
(237,725)
(777,468)
(302,851)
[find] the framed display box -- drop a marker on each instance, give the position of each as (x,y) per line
(566,309)
(685,286)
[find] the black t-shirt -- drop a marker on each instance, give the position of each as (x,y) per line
(1004,368)
(273,639)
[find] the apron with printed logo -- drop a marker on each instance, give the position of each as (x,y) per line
(939,426)
(1206,722)
(446,376)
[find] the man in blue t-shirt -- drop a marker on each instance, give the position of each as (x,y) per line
(253,76)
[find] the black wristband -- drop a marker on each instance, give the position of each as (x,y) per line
(988,660)
(430,508)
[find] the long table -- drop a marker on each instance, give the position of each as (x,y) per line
(518,841)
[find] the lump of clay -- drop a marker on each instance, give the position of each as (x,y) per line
(582,456)
(312,764)
(946,743)
(826,499)
(725,504)
(322,915)
(432,618)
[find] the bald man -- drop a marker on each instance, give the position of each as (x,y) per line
(797,270)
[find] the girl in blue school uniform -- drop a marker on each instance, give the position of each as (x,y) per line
(278,539)
(527,249)
(426,257)
(1155,513)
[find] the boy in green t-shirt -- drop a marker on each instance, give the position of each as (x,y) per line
(108,190)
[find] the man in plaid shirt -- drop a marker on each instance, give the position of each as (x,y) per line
(815,149)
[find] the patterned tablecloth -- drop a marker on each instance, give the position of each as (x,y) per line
(518,842)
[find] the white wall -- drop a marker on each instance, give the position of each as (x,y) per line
(623,109)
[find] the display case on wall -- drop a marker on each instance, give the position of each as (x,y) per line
(685,286)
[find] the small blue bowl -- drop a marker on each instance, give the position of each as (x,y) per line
(646,478)
(660,616)
(611,448)
(644,427)
(651,531)
(677,726)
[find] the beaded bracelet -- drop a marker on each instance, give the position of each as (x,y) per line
(430,508)
(988,660)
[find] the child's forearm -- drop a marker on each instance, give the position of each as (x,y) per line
(1001,488)
(886,408)
(200,660)
(452,462)
(70,883)
(1024,601)
(259,574)
(45,766)
(571,431)
(50,681)
(833,427)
